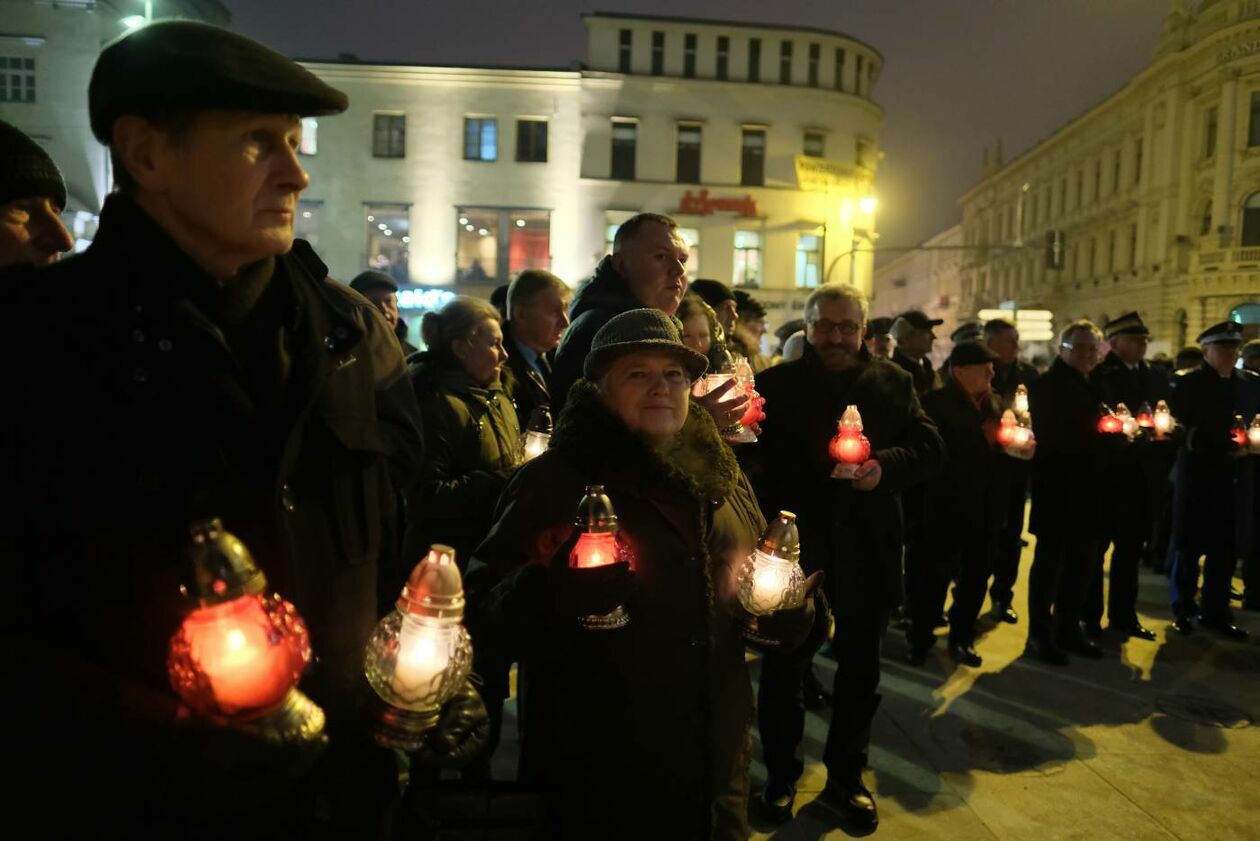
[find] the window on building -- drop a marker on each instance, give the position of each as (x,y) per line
(1132,246)
(1092,258)
(531,141)
(481,139)
(623,51)
(747,258)
(1205,219)
(1111,251)
(624,147)
(17,79)
(389,135)
(689,55)
(1080,188)
(388,239)
(839,81)
(862,153)
(1062,195)
(688,170)
(814,53)
(785,62)
(1209,134)
(1251,221)
(1046,197)
(752,162)
(722,70)
(754,59)
(310,215)
(310,136)
(1137,161)
(494,245)
(1097,179)
(815,145)
(1116,161)
(658,53)
(808,261)
(1253,124)
(857,75)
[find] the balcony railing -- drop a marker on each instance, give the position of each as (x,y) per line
(1214,260)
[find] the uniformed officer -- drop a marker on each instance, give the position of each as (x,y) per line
(1213,481)
(1137,477)
(208,367)
(32,197)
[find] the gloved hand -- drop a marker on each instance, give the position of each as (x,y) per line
(462,730)
(792,628)
(594,591)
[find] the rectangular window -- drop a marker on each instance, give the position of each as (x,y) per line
(1253,125)
(754,59)
(689,55)
(688,153)
(531,141)
(814,52)
(1137,161)
(862,153)
(857,75)
(839,69)
(310,136)
(752,162)
(658,53)
(17,79)
(1062,195)
(1209,134)
(481,139)
(808,261)
(785,62)
(1092,261)
(623,51)
(1111,251)
(1097,179)
(815,144)
(389,239)
(747,259)
(494,245)
(1132,246)
(624,147)
(723,56)
(1115,172)
(389,135)
(1080,187)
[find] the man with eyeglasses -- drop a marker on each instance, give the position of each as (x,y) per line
(1066,521)
(850,528)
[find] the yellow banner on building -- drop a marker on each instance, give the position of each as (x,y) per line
(819,175)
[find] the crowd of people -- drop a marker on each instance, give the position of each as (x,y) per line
(206,366)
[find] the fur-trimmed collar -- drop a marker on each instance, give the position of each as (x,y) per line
(698,458)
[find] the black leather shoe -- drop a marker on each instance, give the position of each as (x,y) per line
(965,655)
(1184,625)
(916,656)
(1081,646)
(776,803)
(1225,628)
(855,803)
(1002,612)
(1136,631)
(1046,652)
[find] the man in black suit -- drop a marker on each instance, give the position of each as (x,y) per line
(537,304)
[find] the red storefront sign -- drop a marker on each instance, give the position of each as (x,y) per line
(700,204)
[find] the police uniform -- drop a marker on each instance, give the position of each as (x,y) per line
(1214,513)
(1136,476)
(1010,542)
(277,401)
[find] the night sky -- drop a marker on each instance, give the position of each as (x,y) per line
(958,73)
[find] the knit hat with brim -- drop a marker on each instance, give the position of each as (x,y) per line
(640,330)
(26,171)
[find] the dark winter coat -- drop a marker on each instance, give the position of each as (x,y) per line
(1213,486)
(1006,379)
(605,294)
(640,732)
(971,493)
(146,413)
(471,443)
(925,378)
(856,536)
(526,388)
(1069,467)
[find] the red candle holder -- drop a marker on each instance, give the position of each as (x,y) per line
(850,448)
(598,546)
(1108,422)
(1238,433)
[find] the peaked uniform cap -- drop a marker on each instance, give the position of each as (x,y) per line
(1129,324)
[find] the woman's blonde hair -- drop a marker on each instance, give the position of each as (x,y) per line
(459,319)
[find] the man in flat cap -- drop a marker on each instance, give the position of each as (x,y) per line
(878,338)
(1214,506)
(718,295)
(1138,478)
(912,330)
(382,291)
(965,506)
(224,375)
(32,196)
(1009,373)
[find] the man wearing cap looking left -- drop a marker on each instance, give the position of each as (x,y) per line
(217,372)
(32,196)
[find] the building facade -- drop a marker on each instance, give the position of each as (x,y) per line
(926,278)
(760,140)
(47,52)
(1155,190)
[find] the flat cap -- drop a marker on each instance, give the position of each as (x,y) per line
(640,330)
(714,292)
(1226,331)
(747,306)
(970,353)
(1129,324)
(881,326)
(371,279)
(918,320)
(26,170)
(967,332)
(180,65)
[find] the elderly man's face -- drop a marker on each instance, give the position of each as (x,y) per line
(881,345)
(31,232)
(975,380)
(654,263)
(386,301)
(541,321)
(1130,349)
(1081,351)
(917,343)
(648,391)
(1005,343)
(1222,356)
(835,330)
